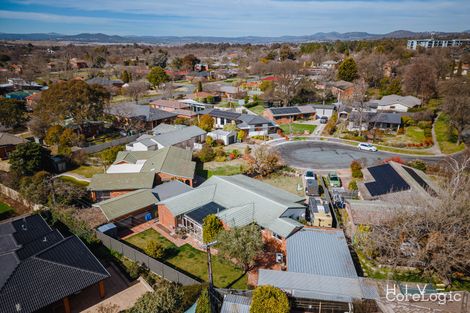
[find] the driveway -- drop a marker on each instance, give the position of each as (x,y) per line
(327,155)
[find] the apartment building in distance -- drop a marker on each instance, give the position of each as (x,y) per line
(436,43)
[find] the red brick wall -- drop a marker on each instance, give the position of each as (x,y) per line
(165,217)
(114,194)
(161,177)
(269,238)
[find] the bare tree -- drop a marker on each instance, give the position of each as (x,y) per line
(136,89)
(288,80)
(358,102)
(420,79)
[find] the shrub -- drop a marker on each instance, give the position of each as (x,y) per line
(269,299)
(408,121)
(418,164)
(206,154)
(356,168)
(352,185)
(401,131)
(209,140)
(203,303)
(395,159)
(155,249)
(424,124)
(133,269)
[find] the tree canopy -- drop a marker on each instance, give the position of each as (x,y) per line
(29,158)
(12,113)
(157,76)
(206,122)
(211,227)
(167,298)
(269,299)
(348,70)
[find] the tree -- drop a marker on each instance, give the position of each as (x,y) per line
(108,156)
(287,82)
(71,99)
(199,86)
(285,53)
(53,135)
(356,169)
(264,162)
(36,188)
(136,89)
(69,194)
(206,122)
(160,59)
(167,298)
(358,102)
(206,154)
(203,302)
(176,63)
(211,227)
(269,299)
(157,76)
(125,77)
(390,86)
(420,79)
(430,233)
(100,62)
(189,61)
(347,70)
(28,158)
(457,104)
(155,249)
(12,113)
(243,244)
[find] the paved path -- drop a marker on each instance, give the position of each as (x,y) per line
(435,147)
(75,176)
(328,155)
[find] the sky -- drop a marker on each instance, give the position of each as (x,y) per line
(231,18)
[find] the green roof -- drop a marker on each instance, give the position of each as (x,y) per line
(124,181)
(169,160)
(126,203)
(246,200)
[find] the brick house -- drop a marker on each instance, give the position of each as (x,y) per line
(8,143)
(238,201)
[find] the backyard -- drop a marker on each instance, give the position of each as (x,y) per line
(227,168)
(257,109)
(193,261)
(286,182)
(446,136)
(297,128)
(5,210)
(88,171)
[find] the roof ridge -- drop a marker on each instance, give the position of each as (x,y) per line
(66,265)
(185,193)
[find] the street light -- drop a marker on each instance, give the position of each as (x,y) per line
(208,246)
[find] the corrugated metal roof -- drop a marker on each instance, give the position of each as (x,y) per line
(310,286)
(127,203)
(122,181)
(236,304)
(178,136)
(170,189)
(320,252)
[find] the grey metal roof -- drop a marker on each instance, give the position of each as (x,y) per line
(246,200)
(9,139)
(320,252)
(166,128)
(178,136)
(408,101)
(122,181)
(236,304)
(45,269)
(250,119)
(391,118)
(133,110)
(170,189)
(222,113)
(317,287)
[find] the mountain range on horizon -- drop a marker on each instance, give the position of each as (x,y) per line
(174,40)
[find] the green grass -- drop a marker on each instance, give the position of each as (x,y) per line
(257,109)
(284,182)
(88,171)
(405,151)
(226,170)
(5,208)
(193,261)
(415,133)
(74,181)
(446,137)
(297,128)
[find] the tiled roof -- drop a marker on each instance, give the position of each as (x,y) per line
(44,268)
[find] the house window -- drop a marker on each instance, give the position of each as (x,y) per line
(278,237)
(102,195)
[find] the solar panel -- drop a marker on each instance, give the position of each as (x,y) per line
(285,111)
(386,181)
(420,181)
(200,213)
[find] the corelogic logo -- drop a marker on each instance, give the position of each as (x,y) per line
(426,293)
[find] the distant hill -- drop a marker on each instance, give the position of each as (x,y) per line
(174,40)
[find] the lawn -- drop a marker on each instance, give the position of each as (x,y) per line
(257,109)
(5,209)
(223,170)
(74,181)
(193,261)
(446,137)
(88,171)
(297,128)
(287,183)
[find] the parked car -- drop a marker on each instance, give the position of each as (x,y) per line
(323,119)
(335,181)
(366,147)
(310,174)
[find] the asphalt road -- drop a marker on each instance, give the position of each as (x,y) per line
(328,155)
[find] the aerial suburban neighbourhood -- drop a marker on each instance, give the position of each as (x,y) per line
(222,162)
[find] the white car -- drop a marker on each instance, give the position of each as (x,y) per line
(367,147)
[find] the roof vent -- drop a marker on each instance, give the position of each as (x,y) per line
(24,227)
(18,307)
(44,239)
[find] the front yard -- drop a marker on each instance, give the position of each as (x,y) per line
(446,136)
(297,128)
(193,261)
(286,182)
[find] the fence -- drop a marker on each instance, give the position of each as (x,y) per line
(109,144)
(15,195)
(155,266)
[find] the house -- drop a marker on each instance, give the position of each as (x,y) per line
(196,106)
(228,137)
(396,103)
(41,269)
(165,164)
(285,115)
(181,109)
(111,185)
(393,178)
(164,128)
(187,137)
(77,63)
(8,143)
(238,201)
(137,207)
(320,213)
(370,120)
(330,64)
(203,96)
(131,112)
(320,272)
(254,125)
(341,89)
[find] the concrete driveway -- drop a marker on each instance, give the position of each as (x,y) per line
(327,155)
